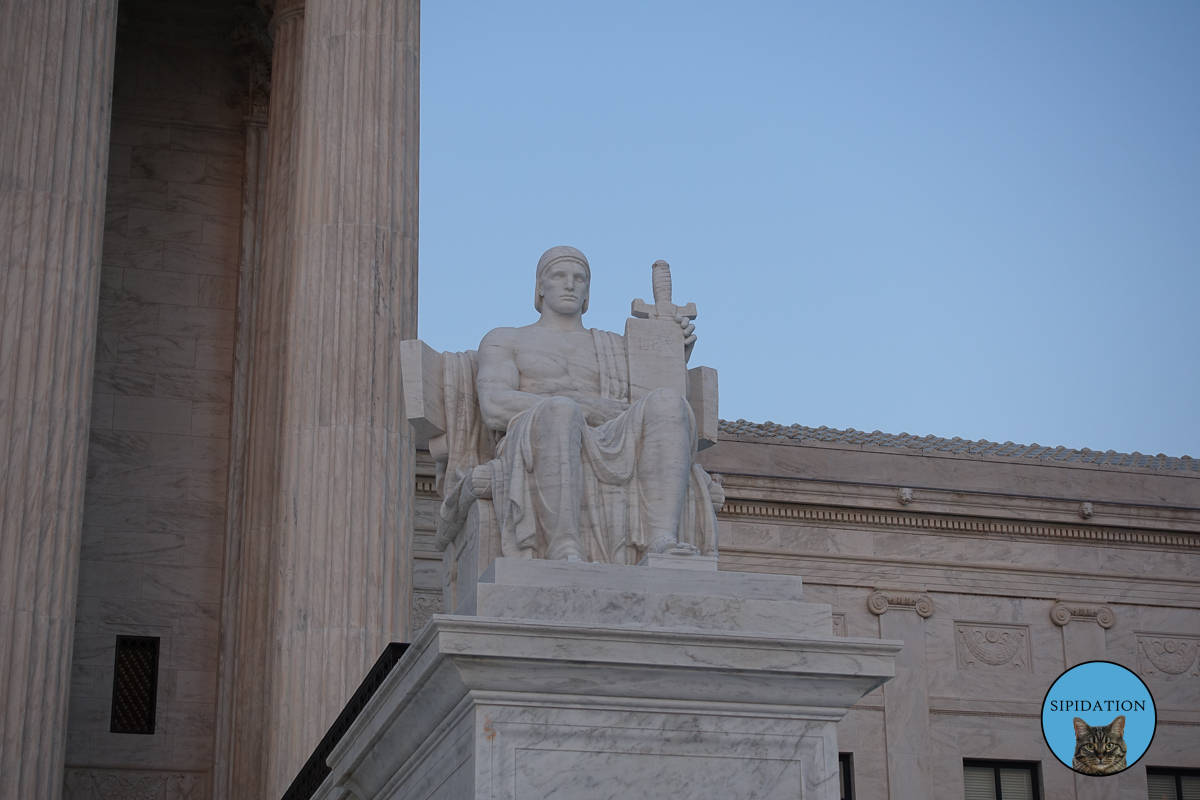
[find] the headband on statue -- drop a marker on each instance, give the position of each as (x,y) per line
(552,256)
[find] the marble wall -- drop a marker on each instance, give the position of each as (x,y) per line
(996,577)
(154,518)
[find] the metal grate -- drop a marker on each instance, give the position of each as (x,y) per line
(135,684)
(315,770)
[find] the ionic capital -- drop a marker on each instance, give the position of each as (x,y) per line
(881,600)
(1064,612)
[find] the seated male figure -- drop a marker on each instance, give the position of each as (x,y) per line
(583,473)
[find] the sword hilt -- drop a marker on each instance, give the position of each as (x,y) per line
(661,280)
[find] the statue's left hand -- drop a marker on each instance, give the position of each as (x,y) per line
(689,337)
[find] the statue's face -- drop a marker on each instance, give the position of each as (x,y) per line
(564,287)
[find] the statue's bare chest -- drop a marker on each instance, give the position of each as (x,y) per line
(559,364)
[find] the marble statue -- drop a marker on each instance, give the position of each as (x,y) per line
(585,464)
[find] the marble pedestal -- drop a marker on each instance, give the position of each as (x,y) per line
(575,680)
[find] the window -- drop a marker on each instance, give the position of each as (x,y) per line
(1173,784)
(1001,780)
(135,685)
(846,775)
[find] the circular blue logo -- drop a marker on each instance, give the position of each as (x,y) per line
(1098,718)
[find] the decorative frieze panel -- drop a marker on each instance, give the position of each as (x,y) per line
(1065,612)
(424,606)
(133,784)
(1168,656)
(881,600)
(996,647)
(839,624)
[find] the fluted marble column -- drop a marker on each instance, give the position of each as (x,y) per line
(56,68)
(343,522)
(244,696)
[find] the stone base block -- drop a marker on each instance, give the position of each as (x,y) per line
(595,681)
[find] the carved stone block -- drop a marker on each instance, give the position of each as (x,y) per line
(1168,656)
(133,784)
(424,606)
(655,352)
(997,647)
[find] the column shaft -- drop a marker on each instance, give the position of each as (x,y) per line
(263,303)
(56,68)
(346,481)
(906,709)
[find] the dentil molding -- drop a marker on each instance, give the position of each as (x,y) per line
(737,507)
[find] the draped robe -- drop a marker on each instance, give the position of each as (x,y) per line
(614,520)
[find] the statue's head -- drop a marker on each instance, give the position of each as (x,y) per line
(563,279)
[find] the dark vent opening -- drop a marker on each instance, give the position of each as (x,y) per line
(846,775)
(135,684)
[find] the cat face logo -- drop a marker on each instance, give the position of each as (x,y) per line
(1098,718)
(1099,750)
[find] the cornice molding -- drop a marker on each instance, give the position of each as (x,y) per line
(744,508)
(1018,507)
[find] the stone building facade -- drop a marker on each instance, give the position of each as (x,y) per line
(208,213)
(998,565)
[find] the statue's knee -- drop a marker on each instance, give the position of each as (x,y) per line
(559,414)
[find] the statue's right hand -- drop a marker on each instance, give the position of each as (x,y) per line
(481,481)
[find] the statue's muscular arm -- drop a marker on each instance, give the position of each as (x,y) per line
(499,386)
(498,382)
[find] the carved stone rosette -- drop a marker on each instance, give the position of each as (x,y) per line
(1168,656)
(880,601)
(985,646)
(1063,613)
(424,606)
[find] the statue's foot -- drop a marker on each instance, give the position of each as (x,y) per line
(662,544)
(569,553)
(669,546)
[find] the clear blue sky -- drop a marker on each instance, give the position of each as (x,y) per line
(961,218)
